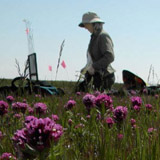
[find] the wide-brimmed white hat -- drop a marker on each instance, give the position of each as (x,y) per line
(90,17)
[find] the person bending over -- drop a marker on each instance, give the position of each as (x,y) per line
(100,54)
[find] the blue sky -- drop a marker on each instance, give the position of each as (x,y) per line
(133,25)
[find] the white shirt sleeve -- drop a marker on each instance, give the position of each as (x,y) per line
(89,62)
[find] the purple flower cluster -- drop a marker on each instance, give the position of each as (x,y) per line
(19,138)
(136,108)
(148,107)
(150,130)
(136,103)
(120,136)
(78,93)
(19,107)
(10,99)
(120,113)
(3,107)
(30,110)
(55,117)
(18,116)
(96,93)
(109,121)
(133,123)
(70,121)
(89,101)
(7,156)
(38,133)
(104,99)
(136,100)
(145,91)
(40,108)
(70,104)
(28,119)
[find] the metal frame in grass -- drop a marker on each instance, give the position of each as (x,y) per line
(22,85)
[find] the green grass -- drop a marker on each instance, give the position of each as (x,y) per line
(93,139)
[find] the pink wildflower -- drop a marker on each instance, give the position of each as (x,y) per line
(88,116)
(70,121)
(55,117)
(96,93)
(19,138)
(104,99)
(120,136)
(3,108)
(134,126)
(136,108)
(28,119)
(18,116)
(120,113)
(109,121)
(148,107)
(136,100)
(89,101)
(133,121)
(70,104)
(145,91)
(40,108)
(78,93)
(19,106)
(10,99)
(7,156)
(38,133)
(30,110)
(151,130)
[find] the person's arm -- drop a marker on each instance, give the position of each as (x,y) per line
(106,48)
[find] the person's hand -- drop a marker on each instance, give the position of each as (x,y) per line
(91,70)
(83,70)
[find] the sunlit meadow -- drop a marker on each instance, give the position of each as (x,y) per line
(80,126)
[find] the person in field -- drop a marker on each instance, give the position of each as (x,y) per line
(100,54)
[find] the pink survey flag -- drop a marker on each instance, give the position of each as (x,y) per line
(63,64)
(27,30)
(50,68)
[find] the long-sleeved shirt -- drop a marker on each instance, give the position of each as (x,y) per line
(101,52)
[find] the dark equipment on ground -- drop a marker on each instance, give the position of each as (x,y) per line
(31,84)
(134,82)
(131,82)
